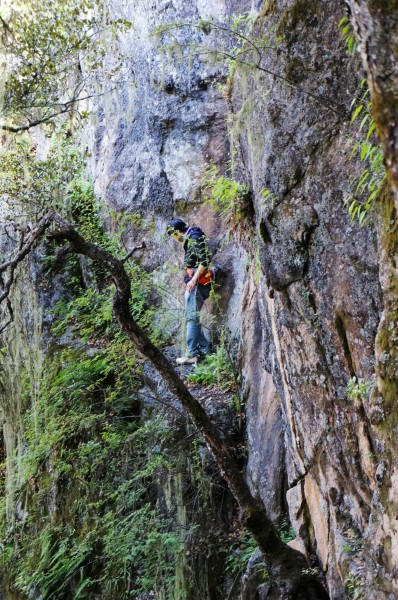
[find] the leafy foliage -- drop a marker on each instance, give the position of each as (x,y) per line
(347,34)
(268,197)
(354,544)
(33,185)
(85,437)
(354,586)
(214,369)
(358,388)
(241,552)
(56,58)
(369,183)
(244,547)
(227,197)
(286,531)
(98,469)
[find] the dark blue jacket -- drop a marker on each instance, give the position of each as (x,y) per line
(196,250)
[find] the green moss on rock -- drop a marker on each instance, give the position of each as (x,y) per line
(268,9)
(387,337)
(387,7)
(295,70)
(295,14)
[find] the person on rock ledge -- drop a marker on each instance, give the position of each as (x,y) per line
(197,277)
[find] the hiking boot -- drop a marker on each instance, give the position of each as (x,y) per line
(187,360)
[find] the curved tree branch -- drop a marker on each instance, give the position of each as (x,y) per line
(285,565)
(10,266)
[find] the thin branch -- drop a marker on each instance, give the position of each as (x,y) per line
(245,39)
(66,107)
(32,123)
(143,245)
(12,264)
(326,102)
(338,109)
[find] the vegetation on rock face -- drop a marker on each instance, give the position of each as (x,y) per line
(284,565)
(358,388)
(368,185)
(227,197)
(93,375)
(215,369)
(102,487)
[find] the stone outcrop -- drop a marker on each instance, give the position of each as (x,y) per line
(302,298)
(306,313)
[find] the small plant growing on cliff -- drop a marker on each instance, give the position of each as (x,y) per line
(268,199)
(286,531)
(366,186)
(369,183)
(227,197)
(311,571)
(354,587)
(347,34)
(240,554)
(215,369)
(358,388)
(354,544)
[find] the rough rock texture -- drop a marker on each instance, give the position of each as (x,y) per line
(320,294)
(302,298)
(307,312)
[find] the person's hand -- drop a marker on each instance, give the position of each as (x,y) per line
(191,285)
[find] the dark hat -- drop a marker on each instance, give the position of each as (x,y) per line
(176,225)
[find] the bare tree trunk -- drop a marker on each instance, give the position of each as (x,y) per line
(376,25)
(285,566)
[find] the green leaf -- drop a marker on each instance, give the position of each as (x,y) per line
(371,129)
(364,120)
(357,112)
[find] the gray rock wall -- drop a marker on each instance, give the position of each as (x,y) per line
(319,293)
(302,299)
(307,323)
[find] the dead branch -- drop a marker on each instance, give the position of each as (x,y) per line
(130,254)
(10,266)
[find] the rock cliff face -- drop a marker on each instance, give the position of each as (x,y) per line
(310,307)
(302,300)
(319,295)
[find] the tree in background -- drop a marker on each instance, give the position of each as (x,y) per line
(54,56)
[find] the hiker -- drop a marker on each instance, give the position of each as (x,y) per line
(197,278)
